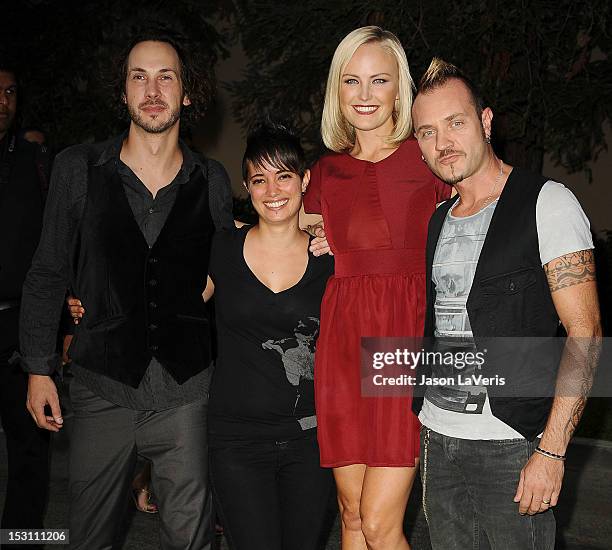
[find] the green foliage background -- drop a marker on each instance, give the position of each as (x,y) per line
(544,66)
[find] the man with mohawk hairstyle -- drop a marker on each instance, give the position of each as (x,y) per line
(509,256)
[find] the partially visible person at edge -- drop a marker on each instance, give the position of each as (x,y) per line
(271,491)
(510,256)
(128,226)
(375,195)
(23,183)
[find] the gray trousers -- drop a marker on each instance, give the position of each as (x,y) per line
(105,442)
(468,495)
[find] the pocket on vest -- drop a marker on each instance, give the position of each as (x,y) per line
(506,301)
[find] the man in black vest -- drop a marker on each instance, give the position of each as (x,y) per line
(128,227)
(21,208)
(509,256)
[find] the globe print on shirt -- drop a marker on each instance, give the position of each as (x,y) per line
(297,353)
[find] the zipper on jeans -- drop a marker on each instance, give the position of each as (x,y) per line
(425,452)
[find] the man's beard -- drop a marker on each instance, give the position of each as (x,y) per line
(454,177)
(153,126)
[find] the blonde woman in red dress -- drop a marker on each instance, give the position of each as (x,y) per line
(376,197)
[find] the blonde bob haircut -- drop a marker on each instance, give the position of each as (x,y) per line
(338,135)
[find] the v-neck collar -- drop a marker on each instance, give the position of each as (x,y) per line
(258,281)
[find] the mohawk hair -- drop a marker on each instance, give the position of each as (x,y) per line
(440,72)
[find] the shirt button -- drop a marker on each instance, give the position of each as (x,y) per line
(153,282)
(512,286)
(151,210)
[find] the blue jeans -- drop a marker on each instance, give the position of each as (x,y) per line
(468,492)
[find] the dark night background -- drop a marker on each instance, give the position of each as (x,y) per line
(544,66)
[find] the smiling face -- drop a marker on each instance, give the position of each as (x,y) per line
(450,133)
(153,90)
(8,101)
(276,193)
(369,87)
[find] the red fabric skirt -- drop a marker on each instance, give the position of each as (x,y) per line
(376,431)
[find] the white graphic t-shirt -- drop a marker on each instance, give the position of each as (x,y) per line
(464,411)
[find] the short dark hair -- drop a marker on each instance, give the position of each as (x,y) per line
(8,65)
(440,72)
(274,144)
(196,70)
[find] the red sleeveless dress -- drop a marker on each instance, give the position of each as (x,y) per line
(376,217)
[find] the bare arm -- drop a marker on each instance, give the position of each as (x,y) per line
(307,220)
(571,279)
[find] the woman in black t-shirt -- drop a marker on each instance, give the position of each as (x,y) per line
(264,458)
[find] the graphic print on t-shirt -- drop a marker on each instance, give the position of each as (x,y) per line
(297,353)
(454,265)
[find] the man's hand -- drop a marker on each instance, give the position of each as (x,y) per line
(319,245)
(42,392)
(539,485)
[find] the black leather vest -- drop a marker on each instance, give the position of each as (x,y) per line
(509,297)
(140,302)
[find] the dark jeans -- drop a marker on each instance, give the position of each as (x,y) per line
(28,454)
(104,445)
(468,492)
(271,495)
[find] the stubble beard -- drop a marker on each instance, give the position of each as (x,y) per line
(454,178)
(153,126)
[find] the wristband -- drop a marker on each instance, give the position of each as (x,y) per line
(549,454)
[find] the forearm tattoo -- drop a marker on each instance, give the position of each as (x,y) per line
(569,270)
(586,358)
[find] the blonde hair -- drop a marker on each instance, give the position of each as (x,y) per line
(440,72)
(338,135)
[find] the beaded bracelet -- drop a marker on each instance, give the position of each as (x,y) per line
(549,454)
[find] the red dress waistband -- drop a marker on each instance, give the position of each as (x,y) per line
(409,261)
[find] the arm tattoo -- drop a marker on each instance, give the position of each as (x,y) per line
(587,360)
(569,270)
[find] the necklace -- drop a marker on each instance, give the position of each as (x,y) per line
(493,187)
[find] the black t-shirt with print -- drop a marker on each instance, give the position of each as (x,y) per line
(263,386)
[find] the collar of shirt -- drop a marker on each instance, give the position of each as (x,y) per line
(190,161)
